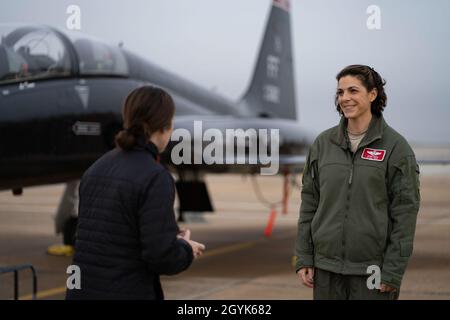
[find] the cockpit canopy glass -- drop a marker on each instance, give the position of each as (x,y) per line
(98,58)
(30,53)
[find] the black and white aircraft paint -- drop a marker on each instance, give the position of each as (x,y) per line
(61,95)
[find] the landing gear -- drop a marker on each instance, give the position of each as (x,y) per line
(66,220)
(192,193)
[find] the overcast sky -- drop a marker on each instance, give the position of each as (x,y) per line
(214,43)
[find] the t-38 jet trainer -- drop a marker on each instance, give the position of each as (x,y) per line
(60,107)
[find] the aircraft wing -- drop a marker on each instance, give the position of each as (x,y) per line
(433,161)
(432,155)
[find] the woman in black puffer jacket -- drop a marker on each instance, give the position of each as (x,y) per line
(127,235)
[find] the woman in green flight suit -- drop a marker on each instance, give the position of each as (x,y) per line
(360,198)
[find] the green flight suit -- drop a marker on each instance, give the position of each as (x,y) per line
(359,209)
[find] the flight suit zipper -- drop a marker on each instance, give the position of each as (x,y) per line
(350,179)
(347,207)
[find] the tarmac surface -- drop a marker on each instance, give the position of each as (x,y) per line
(240,262)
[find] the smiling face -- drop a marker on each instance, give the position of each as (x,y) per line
(353,98)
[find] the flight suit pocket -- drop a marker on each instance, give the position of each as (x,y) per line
(406,248)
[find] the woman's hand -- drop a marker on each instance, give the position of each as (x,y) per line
(184,234)
(197,247)
(307,276)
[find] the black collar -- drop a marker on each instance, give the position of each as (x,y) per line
(148,146)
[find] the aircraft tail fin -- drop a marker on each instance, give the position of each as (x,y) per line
(271,92)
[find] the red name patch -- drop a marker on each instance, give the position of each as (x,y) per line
(373,154)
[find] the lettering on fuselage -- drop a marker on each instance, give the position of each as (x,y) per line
(271,92)
(87,128)
(26,85)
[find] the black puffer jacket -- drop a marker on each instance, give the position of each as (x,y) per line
(126,235)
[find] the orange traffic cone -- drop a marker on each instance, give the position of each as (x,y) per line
(270,222)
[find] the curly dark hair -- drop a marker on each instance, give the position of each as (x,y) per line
(370,79)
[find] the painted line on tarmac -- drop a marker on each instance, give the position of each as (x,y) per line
(227,249)
(213,252)
(45,293)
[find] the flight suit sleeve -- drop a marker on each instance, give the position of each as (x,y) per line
(304,249)
(404,196)
(163,252)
